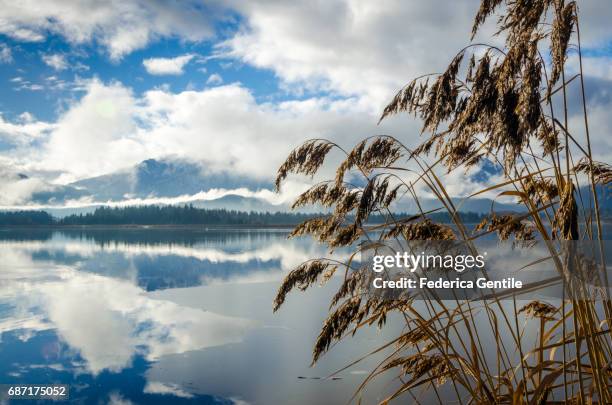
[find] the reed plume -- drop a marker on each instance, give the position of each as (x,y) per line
(493,103)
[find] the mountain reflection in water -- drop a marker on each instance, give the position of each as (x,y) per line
(159,315)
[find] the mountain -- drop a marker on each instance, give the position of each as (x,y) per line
(167,178)
(240,203)
(174,177)
(604,197)
(477,205)
(57,194)
(162,178)
(153,178)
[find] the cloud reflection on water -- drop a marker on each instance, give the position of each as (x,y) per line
(108,319)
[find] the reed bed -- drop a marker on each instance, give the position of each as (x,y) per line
(508,104)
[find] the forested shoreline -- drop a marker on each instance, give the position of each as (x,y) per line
(177,215)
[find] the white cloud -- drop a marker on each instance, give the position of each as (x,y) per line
(214,79)
(161,388)
(126,322)
(356,47)
(56,61)
(6,55)
(167,66)
(23,34)
(95,133)
(120,26)
(594,18)
(227,130)
(361,51)
(16,191)
(224,128)
(116,398)
(351,47)
(26,130)
(599,67)
(20,83)
(18,188)
(32,87)
(26,117)
(600,127)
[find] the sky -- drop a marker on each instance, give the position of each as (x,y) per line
(90,88)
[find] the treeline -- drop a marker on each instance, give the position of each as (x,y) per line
(26,218)
(181,215)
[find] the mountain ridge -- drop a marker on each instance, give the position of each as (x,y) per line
(176,178)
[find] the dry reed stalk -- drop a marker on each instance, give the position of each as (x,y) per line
(496,106)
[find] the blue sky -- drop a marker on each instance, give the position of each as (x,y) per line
(44,90)
(90,88)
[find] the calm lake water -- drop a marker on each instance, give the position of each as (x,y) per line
(169,316)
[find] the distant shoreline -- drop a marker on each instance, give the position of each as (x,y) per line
(144,227)
(175,226)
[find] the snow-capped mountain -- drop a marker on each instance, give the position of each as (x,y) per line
(162,178)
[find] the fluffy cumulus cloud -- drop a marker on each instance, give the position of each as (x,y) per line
(18,189)
(167,66)
(95,133)
(224,127)
(119,26)
(368,48)
(351,47)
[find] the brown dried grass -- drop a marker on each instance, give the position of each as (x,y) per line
(502,110)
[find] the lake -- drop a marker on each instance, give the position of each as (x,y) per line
(150,316)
